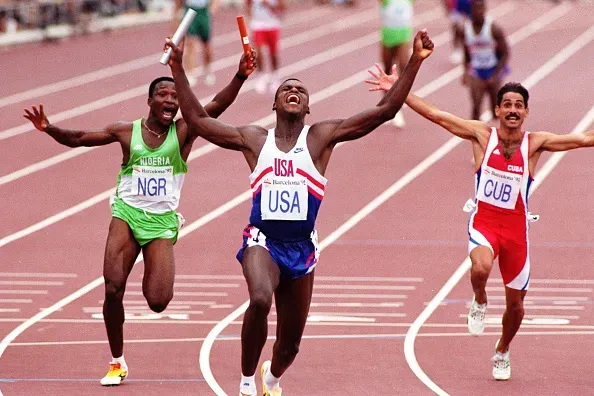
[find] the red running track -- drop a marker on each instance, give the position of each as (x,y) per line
(380,268)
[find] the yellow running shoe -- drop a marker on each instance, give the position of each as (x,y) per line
(265,368)
(115,375)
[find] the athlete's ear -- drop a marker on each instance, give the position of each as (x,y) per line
(149,101)
(497,111)
(307,110)
(274,107)
(527,111)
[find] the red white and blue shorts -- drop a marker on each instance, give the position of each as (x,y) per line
(507,237)
(295,259)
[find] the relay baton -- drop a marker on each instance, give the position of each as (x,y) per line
(245,40)
(179,33)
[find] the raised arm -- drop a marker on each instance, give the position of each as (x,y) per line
(465,129)
(71,137)
(547,141)
(195,116)
(366,121)
(223,99)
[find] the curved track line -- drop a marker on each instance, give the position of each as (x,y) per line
(533,79)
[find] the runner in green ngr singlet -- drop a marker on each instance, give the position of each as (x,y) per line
(155,150)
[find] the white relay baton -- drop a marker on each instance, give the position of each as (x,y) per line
(179,33)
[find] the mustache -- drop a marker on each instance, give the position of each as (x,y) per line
(510,115)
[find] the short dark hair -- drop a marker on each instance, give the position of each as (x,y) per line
(513,87)
(155,82)
(281,84)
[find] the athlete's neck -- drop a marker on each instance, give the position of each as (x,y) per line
(288,130)
(154,124)
(509,135)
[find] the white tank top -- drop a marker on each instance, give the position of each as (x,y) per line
(286,181)
(481,46)
(396,13)
(262,16)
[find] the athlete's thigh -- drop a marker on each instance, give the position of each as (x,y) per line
(292,299)
(159,266)
(261,273)
(121,251)
(514,260)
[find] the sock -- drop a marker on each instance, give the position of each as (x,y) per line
(121,361)
(248,385)
(271,381)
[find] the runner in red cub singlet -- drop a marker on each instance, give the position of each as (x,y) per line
(505,159)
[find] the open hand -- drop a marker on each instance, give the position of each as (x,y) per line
(37,117)
(422,46)
(382,81)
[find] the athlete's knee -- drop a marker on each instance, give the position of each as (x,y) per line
(481,269)
(260,302)
(158,303)
(114,289)
(515,307)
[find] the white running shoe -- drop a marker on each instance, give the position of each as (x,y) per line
(501,365)
(476,318)
(398,120)
(266,392)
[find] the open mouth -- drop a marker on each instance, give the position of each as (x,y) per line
(168,113)
(293,99)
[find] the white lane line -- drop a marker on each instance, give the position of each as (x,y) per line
(16,300)
(365,279)
(364,287)
(568,281)
(359,296)
(543,71)
(23,291)
(139,63)
(204,285)
(550,289)
(304,64)
(30,283)
(37,275)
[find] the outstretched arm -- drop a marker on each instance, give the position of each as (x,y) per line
(366,121)
(195,116)
(465,129)
(223,99)
(547,141)
(71,137)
